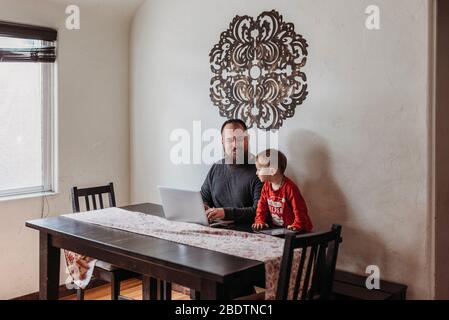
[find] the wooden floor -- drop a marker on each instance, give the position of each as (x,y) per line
(131,288)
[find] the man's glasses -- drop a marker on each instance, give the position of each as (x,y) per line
(239,139)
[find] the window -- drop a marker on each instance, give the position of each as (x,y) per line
(27,89)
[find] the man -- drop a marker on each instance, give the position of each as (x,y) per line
(232,189)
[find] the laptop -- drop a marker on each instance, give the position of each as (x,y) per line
(186,206)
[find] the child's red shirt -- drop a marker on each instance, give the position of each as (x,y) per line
(286,206)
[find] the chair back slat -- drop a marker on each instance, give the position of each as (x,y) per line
(331,259)
(94,201)
(317,256)
(100,197)
(87,203)
(285,270)
(319,272)
(308,273)
(111,195)
(90,194)
(75,200)
(299,272)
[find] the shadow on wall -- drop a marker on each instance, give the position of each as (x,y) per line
(310,166)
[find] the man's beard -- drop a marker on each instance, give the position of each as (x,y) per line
(240,158)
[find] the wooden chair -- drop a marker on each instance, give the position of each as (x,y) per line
(316,268)
(103,270)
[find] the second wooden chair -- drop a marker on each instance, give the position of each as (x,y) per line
(314,271)
(103,270)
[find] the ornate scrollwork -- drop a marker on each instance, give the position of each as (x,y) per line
(257,70)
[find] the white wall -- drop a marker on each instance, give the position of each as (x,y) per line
(93,122)
(358,147)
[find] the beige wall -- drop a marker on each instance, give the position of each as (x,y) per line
(358,147)
(93,122)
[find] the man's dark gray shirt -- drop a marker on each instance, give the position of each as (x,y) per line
(236,188)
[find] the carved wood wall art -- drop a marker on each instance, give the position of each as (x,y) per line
(257,68)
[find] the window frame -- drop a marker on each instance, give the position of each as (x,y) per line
(49,173)
(48,141)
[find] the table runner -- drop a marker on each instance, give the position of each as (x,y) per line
(253,246)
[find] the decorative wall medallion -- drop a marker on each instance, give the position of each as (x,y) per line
(257,70)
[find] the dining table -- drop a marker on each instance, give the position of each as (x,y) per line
(208,273)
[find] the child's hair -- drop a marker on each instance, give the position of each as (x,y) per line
(265,159)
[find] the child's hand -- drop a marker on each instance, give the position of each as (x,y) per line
(260,226)
(291,227)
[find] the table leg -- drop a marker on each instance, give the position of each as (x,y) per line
(154,289)
(194,295)
(49,258)
(148,288)
(212,291)
(165,290)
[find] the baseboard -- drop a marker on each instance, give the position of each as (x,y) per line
(63,290)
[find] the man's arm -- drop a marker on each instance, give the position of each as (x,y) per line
(206,192)
(247,214)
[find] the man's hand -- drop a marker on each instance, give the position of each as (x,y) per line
(260,226)
(215,213)
(291,227)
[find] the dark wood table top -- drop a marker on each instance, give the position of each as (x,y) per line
(212,265)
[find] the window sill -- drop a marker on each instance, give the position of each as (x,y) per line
(28,196)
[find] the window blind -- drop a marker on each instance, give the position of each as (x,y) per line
(26,43)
